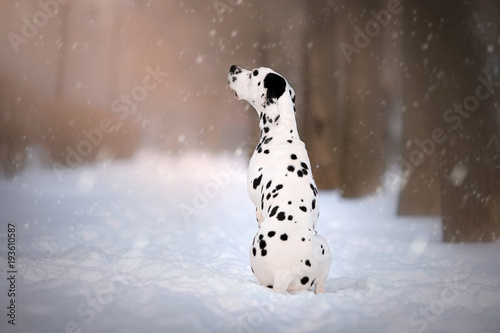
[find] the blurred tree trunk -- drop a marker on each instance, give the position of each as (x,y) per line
(61,61)
(365,117)
(321,131)
(457,125)
(420,192)
(15,115)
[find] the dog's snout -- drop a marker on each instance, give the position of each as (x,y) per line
(234,69)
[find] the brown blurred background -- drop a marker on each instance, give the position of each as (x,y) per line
(390,92)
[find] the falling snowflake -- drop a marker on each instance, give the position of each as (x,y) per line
(199,59)
(458,174)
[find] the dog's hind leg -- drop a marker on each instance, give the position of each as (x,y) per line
(319,285)
(282,280)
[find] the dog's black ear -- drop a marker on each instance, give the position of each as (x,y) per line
(275,85)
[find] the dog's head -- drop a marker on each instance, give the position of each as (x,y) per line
(261,87)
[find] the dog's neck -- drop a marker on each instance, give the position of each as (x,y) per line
(281,126)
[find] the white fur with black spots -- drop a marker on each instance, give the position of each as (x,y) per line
(287,254)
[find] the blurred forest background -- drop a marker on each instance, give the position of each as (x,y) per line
(404,93)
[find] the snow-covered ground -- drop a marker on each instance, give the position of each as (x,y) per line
(160,244)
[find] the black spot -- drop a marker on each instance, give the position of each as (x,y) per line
(304,165)
(262,244)
(267,140)
(261,236)
(255,72)
(274,211)
(256,182)
(270,286)
(284,237)
(314,189)
(323,252)
(275,85)
(268,185)
(263,252)
(314,204)
(252,270)
(254,251)
(268,196)
(258,84)
(277,117)
(308,263)
(271,234)
(300,173)
(281,216)
(291,168)
(266,151)
(290,217)
(312,282)
(266,129)
(294,157)
(304,280)
(303,239)
(289,141)
(303,208)
(289,202)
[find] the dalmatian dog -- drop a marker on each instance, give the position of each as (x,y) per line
(286,254)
